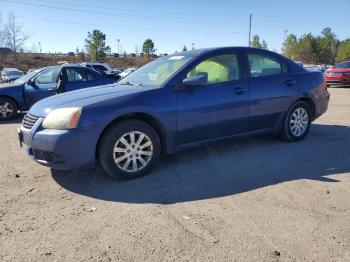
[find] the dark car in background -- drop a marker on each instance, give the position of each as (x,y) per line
(21,94)
(339,75)
(175,102)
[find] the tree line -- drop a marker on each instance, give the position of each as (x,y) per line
(325,48)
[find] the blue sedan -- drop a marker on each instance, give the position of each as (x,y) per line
(175,102)
(21,94)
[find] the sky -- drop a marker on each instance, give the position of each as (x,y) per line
(62,26)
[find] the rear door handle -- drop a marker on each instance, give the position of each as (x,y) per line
(239,90)
(290,82)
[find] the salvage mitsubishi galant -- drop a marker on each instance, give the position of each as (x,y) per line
(175,102)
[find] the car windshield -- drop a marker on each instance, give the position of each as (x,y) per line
(343,65)
(14,73)
(28,76)
(157,72)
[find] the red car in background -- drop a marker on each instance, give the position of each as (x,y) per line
(339,75)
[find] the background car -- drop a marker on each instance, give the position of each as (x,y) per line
(32,87)
(10,74)
(127,71)
(101,67)
(339,75)
(176,102)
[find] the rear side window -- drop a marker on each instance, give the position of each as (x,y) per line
(74,75)
(99,68)
(262,65)
(219,69)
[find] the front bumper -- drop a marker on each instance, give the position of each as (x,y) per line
(60,149)
(338,81)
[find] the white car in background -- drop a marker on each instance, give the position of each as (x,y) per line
(101,67)
(127,71)
(10,74)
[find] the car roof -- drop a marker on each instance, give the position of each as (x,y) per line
(225,48)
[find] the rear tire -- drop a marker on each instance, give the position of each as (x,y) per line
(129,149)
(296,124)
(8,109)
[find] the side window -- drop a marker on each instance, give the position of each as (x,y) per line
(48,77)
(261,65)
(74,75)
(89,76)
(99,68)
(219,69)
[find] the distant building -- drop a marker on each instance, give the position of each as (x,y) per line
(5,50)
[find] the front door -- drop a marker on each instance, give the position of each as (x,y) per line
(217,109)
(44,85)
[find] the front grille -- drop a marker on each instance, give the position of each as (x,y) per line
(29,121)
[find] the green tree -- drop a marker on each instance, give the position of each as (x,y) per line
(290,47)
(343,50)
(257,44)
(327,45)
(96,44)
(307,49)
(184,49)
(148,47)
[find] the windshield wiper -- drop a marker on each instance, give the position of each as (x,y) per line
(131,84)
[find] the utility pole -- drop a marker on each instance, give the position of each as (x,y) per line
(250,28)
(39,44)
(192,46)
(118,40)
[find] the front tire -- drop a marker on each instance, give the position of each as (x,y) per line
(297,122)
(8,109)
(129,149)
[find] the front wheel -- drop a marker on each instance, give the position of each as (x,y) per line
(8,108)
(297,122)
(129,149)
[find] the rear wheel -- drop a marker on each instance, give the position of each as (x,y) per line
(129,149)
(8,108)
(297,122)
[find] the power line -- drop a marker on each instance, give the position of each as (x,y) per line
(118,15)
(128,27)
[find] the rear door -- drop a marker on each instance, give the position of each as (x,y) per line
(272,89)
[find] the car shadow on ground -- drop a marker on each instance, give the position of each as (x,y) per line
(223,169)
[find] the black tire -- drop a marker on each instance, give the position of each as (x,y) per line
(8,103)
(109,139)
(286,132)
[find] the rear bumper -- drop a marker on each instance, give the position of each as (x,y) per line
(61,149)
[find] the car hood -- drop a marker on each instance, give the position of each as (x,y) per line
(338,70)
(8,85)
(83,98)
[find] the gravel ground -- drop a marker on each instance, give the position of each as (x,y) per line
(256,199)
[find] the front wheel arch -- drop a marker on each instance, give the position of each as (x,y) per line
(147,118)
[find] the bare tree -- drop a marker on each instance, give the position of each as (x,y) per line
(15,37)
(2,33)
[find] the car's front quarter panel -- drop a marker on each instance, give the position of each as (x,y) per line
(14,92)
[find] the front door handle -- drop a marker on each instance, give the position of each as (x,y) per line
(289,82)
(239,90)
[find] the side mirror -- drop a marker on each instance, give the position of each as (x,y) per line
(197,80)
(31,82)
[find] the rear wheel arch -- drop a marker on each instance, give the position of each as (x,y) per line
(310,103)
(146,118)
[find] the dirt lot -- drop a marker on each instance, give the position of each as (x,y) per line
(257,199)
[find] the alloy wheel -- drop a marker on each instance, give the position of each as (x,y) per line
(6,109)
(133,151)
(299,121)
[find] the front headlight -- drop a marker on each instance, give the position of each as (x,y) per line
(62,118)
